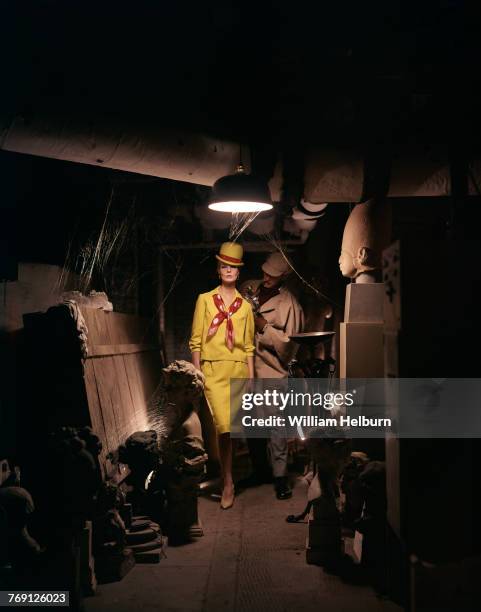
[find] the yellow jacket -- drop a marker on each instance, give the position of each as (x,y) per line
(215,348)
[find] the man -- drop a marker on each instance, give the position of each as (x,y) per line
(278,316)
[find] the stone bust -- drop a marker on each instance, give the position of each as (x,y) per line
(366,233)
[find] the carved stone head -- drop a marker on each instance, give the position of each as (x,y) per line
(182,380)
(366,234)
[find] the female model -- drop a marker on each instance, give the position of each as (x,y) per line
(222,346)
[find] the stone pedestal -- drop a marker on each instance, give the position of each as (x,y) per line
(361,333)
(364,303)
(361,350)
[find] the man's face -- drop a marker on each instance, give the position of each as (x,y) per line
(270,282)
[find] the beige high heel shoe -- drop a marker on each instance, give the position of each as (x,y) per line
(227,500)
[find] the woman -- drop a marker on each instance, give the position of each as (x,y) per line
(222,345)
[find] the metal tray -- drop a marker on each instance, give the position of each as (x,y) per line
(312,338)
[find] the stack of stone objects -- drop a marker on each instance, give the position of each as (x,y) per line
(144,538)
(121,538)
(113,559)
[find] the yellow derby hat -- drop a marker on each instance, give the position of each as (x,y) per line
(231,253)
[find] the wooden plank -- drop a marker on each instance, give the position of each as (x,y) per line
(129,329)
(150,372)
(125,414)
(95,411)
(102,350)
(109,399)
(116,325)
(105,376)
(137,391)
(99,331)
(150,368)
(111,328)
(98,402)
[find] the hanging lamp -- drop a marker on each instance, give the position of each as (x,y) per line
(240,193)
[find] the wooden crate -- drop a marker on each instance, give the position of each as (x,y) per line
(110,391)
(121,373)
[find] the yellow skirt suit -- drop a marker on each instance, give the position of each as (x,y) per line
(218,363)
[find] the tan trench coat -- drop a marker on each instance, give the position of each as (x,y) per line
(274,350)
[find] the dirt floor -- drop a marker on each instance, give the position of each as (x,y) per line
(249,559)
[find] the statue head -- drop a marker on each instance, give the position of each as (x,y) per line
(176,397)
(366,234)
(182,381)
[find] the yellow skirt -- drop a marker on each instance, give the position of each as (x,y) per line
(217,389)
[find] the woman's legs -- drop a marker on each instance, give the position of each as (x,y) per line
(218,375)
(225,452)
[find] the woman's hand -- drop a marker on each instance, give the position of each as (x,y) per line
(250,366)
(196,359)
(248,386)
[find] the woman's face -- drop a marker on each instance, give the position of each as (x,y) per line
(228,274)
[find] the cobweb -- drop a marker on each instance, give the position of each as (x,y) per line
(103,255)
(239,223)
(106,258)
(278,246)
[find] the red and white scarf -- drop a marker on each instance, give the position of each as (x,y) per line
(224,314)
